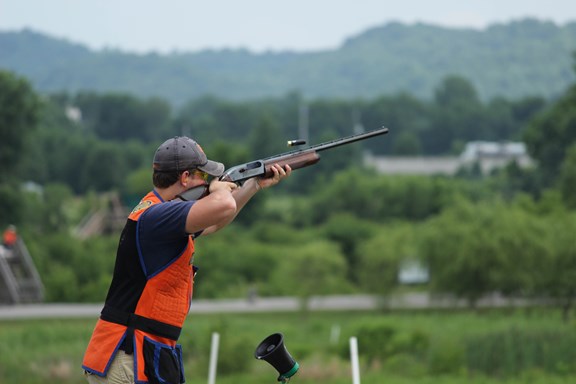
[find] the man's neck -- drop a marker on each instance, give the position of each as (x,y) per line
(169,193)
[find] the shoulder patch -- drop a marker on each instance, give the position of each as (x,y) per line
(143,205)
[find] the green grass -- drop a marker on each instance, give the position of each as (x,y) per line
(50,351)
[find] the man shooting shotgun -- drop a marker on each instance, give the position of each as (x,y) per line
(135,340)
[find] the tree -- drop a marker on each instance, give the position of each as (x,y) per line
(457,116)
(551,133)
(12,205)
(475,249)
(555,273)
(404,115)
(105,167)
(19,110)
(380,257)
(455,90)
(567,178)
(314,268)
(368,195)
(210,119)
(407,144)
(122,117)
(349,232)
(265,139)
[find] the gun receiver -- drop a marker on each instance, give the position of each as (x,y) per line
(295,159)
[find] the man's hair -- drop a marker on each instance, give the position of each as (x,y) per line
(162,179)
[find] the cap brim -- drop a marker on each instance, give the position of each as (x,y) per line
(212,168)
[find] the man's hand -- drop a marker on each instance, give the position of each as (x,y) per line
(217,185)
(279,174)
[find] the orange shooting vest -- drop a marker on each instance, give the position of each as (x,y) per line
(155,325)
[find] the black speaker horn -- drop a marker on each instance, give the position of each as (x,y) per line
(272,350)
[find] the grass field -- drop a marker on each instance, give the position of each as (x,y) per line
(50,351)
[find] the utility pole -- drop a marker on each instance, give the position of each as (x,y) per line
(303,129)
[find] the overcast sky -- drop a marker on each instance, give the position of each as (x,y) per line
(258,25)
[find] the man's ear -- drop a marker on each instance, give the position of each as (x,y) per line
(184,178)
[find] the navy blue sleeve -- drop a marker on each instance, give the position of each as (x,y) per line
(162,235)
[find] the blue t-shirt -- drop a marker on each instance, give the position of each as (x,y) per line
(161,235)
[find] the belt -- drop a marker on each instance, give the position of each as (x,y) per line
(144,324)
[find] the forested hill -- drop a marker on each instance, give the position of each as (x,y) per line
(525,57)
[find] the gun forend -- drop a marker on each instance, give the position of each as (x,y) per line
(243,172)
(295,160)
(263,168)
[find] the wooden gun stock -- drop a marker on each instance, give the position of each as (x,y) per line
(295,161)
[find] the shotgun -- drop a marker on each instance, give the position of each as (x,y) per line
(296,159)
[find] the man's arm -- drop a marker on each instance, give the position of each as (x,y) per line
(219,206)
(247,191)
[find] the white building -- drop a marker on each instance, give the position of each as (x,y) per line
(488,155)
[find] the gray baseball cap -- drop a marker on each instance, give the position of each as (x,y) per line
(182,153)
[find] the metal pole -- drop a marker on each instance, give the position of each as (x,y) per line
(354,360)
(213,358)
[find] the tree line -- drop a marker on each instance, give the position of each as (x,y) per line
(333,228)
(87,127)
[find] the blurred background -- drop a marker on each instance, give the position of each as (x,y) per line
(456,228)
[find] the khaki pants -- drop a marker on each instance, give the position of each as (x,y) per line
(121,371)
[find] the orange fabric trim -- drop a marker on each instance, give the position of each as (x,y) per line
(146,202)
(104,342)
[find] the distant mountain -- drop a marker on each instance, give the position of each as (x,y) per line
(520,58)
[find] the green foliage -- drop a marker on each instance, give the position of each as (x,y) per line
(382,198)
(381,341)
(313,268)
(380,257)
(337,223)
(230,263)
(551,133)
(12,204)
(554,273)
(279,232)
(235,354)
(567,178)
(375,340)
(472,250)
(446,357)
(19,110)
(407,144)
(349,232)
(20,107)
(460,344)
(264,139)
(237,132)
(138,184)
(55,198)
(404,114)
(510,352)
(122,117)
(460,116)
(73,270)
